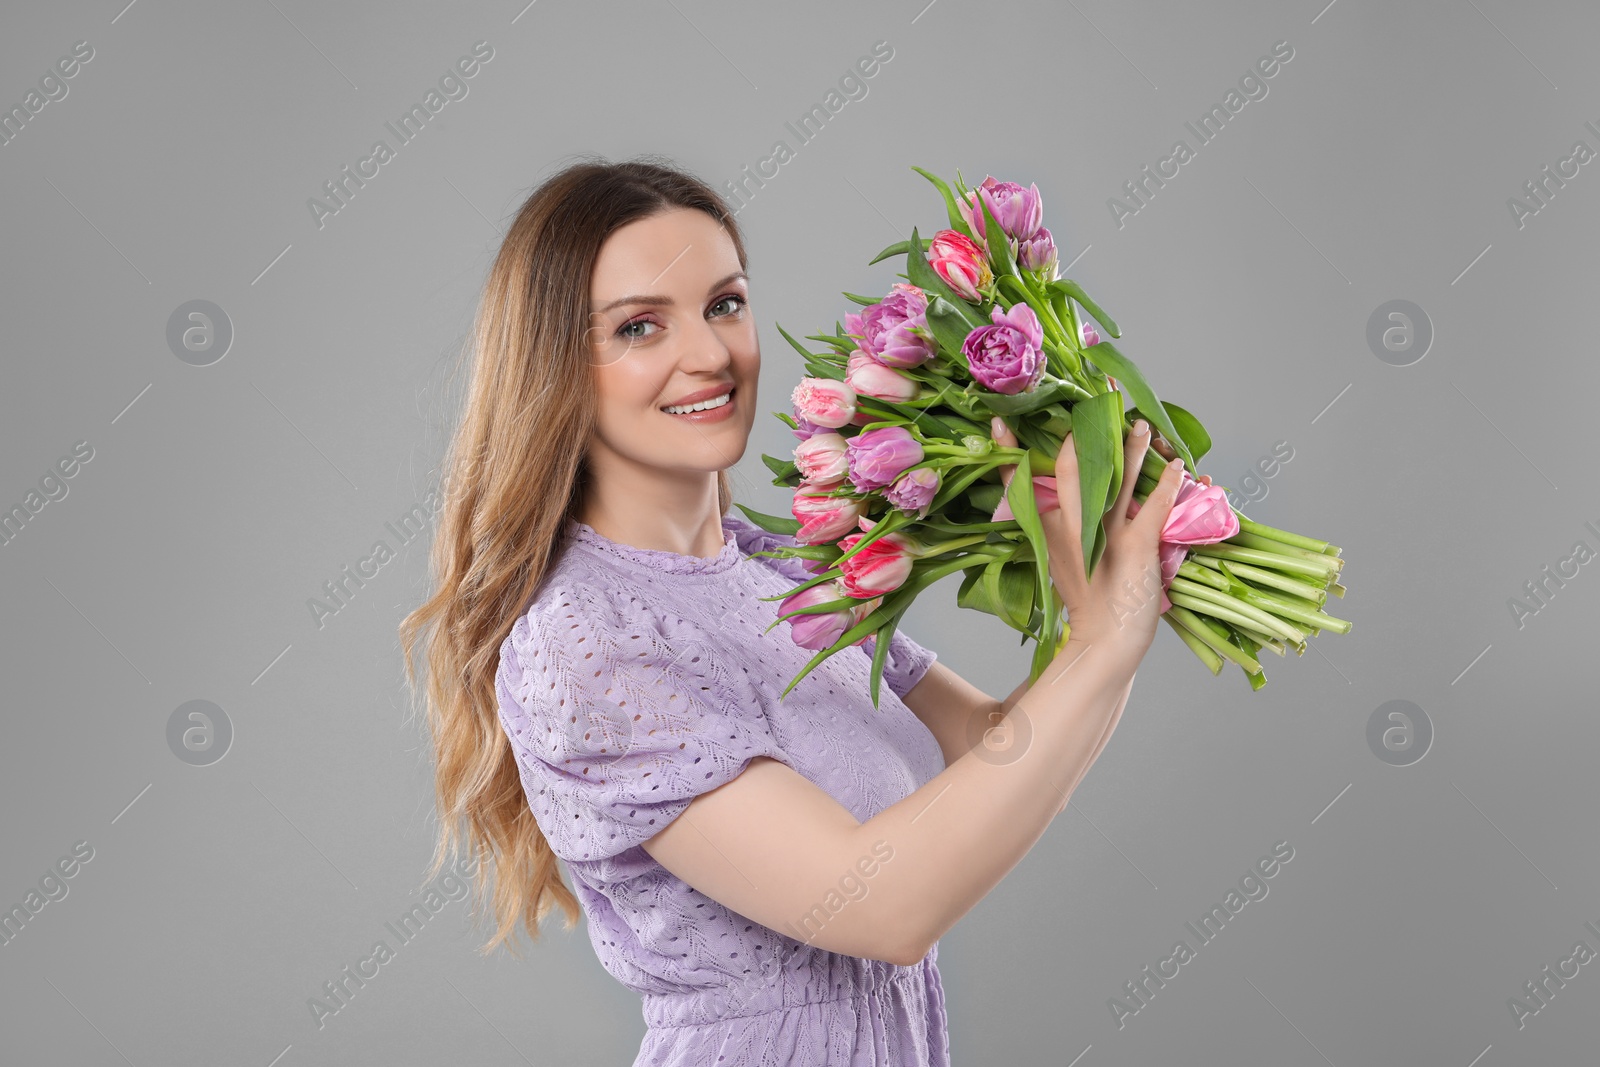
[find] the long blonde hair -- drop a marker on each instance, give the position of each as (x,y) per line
(514,474)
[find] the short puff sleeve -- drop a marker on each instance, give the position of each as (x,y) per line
(614,715)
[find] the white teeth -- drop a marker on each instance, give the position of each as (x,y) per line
(704,405)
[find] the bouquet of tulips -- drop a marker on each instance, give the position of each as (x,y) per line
(897,479)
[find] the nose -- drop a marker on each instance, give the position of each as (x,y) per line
(704,349)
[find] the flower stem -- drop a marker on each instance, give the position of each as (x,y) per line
(1223,550)
(1204,651)
(939,547)
(1268,544)
(1264,577)
(1272,602)
(1299,540)
(1202,630)
(1262,619)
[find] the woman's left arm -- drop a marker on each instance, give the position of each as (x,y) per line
(958,713)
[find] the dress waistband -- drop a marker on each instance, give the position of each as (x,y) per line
(804,976)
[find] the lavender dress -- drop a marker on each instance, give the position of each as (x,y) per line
(638,679)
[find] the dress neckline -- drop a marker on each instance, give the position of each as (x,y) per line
(661,560)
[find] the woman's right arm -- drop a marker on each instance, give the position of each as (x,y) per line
(775,848)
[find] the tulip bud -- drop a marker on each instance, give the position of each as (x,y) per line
(960,263)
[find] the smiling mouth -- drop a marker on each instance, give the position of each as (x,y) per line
(704,405)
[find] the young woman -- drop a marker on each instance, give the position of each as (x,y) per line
(772,876)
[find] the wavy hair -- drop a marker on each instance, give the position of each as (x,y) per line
(514,474)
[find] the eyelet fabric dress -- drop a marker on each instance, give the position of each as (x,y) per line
(634,681)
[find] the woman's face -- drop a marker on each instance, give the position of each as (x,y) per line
(682,327)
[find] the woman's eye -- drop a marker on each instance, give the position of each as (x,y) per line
(734,298)
(622,331)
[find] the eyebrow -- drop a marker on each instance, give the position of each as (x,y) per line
(663,301)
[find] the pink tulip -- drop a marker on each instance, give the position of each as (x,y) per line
(868,377)
(1200,516)
(960,263)
(1019,211)
(1091,336)
(824,401)
(821,458)
(824,518)
(880,568)
(821,629)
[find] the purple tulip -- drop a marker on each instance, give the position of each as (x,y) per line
(894,331)
(1019,211)
(914,490)
(805,428)
(1091,336)
(877,457)
(1006,357)
(1038,253)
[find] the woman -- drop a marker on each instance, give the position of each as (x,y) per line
(772,876)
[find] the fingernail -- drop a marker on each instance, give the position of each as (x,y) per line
(994,425)
(1175,464)
(1139,427)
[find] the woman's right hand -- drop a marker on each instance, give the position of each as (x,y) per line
(1118,608)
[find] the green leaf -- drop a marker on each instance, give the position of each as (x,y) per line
(880,650)
(1113,362)
(798,347)
(974,593)
(1013,587)
(864,301)
(770,523)
(837,341)
(999,249)
(1194,434)
(1074,290)
(899,248)
(1041,396)
(783,468)
(1097,442)
(957,223)
(950,327)
(1020,495)
(985,498)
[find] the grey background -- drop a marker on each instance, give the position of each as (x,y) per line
(219,499)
